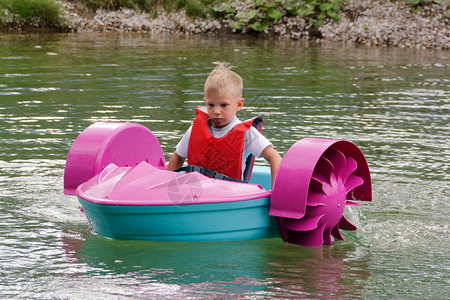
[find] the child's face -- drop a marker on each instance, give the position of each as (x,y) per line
(222,107)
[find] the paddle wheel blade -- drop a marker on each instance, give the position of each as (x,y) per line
(305,224)
(325,168)
(346,225)
(352,182)
(316,185)
(337,158)
(337,234)
(349,168)
(327,237)
(316,199)
(320,179)
(307,238)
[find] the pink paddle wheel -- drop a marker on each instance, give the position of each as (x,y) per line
(315,181)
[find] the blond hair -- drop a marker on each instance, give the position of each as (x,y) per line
(222,78)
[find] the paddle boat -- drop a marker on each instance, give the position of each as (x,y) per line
(118,173)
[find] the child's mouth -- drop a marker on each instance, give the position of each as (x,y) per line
(217,122)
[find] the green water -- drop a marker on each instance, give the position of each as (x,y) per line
(393,103)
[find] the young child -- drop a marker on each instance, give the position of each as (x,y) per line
(217,139)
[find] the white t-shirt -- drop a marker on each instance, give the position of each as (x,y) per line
(254,141)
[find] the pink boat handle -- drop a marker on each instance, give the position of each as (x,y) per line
(124,144)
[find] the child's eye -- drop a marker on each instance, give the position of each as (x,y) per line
(211,105)
(224,104)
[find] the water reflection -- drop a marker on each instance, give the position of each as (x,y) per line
(263,268)
(329,272)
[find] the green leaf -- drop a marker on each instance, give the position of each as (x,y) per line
(291,9)
(275,14)
(257,27)
(230,13)
(447,14)
(311,6)
(332,14)
(246,16)
(414,2)
(260,2)
(252,14)
(306,12)
(321,16)
(335,5)
(240,14)
(325,6)
(236,26)
(317,23)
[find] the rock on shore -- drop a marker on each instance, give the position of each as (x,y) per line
(367,22)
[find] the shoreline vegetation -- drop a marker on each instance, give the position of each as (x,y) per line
(401,23)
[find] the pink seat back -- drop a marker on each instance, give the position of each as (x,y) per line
(124,144)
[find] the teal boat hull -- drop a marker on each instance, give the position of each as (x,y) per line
(227,221)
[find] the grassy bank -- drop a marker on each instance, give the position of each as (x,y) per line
(252,15)
(244,15)
(197,8)
(30,14)
(255,15)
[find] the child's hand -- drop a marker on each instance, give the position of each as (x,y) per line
(273,158)
(175,162)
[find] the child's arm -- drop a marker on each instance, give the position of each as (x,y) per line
(175,162)
(271,155)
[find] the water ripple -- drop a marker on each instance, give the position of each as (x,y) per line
(394,107)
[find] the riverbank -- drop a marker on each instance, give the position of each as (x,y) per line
(364,22)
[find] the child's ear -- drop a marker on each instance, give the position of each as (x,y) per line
(240,104)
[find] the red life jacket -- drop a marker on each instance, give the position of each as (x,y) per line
(223,155)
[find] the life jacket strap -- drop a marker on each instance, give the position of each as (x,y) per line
(207,172)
